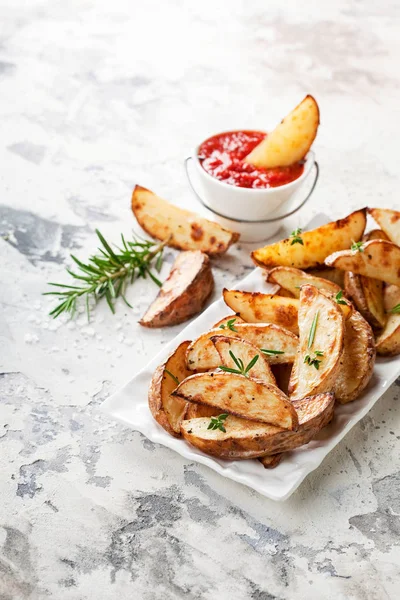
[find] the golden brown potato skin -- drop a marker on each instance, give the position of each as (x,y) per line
(357,360)
(166,410)
(388,342)
(317,244)
(367,295)
(183,229)
(271,461)
(184,293)
(247,439)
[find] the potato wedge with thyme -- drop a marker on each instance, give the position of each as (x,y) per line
(228,322)
(322,326)
(357,360)
(377,259)
(255,307)
(241,396)
(243,439)
(184,293)
(292,279)
(389,221)
(169,410)
(232,350)
(184,229)
(388,342)
(279,345)
(310,249)
(290,141)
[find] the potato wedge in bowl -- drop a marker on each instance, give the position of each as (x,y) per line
(388,342)
(245,439)
(184,293)
(321,325)
(310,249)
(377,259)
(279,345)
(290,141)
(241,396)
(169,410)
(184,229)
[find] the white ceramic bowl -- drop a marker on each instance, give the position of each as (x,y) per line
(246,203)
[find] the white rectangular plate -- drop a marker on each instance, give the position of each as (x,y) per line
(129,405)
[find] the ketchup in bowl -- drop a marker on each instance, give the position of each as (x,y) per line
(222,156)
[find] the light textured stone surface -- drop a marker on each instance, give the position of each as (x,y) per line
(95,97)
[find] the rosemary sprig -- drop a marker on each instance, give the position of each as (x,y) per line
(174,377)
(395,309)
(357,246)
(107,273)
(295,237)
(228,325)
(241,369)
(314,361)
(339,298)
(271,352)
(218,422)
(313,328)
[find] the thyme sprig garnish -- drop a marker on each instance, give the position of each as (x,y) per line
(241,369)
(295,237)
(357,246)
(395,309)
(271,352)
(339,298)
(229,325)
(218,422)
(107,273)
(314,361)
(174,377)
(313,328)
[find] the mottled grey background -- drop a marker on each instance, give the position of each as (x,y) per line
(95,97)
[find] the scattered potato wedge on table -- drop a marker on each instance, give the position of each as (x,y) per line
(389,221)
(184,293)
(245,352)
(255,307)
(279,345)
(357,360)
(321,324)
(290,141)
(377,259)
(244,397)
(315,245)
(186,230)
(388,342)
(245,439)
(169,410)
(292,279)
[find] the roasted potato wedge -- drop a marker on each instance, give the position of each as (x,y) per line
(255,307)
(375,234)
(241,396)
(317,244)
(244,351)
(248,439)
(195,411)
(184,230)
(334,275)
(184,293)
(169,410)
(367,295)
(232,319)
(389,221)
(388,342)
(290,141)
(321,324)
(377,259)
(202,355)
(357,361)
(292,279)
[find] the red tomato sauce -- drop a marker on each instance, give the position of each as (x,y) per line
(222,156)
